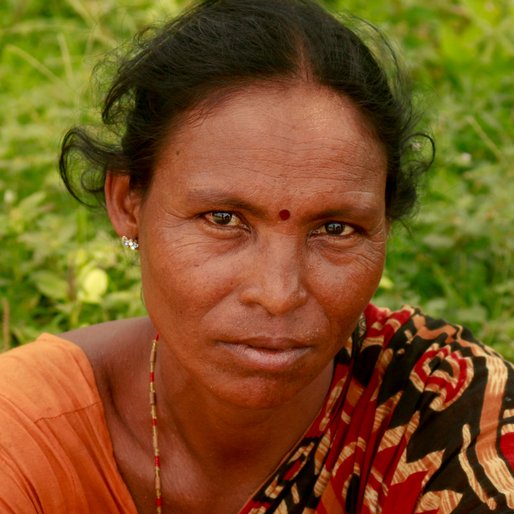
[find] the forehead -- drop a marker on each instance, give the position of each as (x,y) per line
(278,138)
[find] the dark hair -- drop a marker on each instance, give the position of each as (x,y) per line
(221,45)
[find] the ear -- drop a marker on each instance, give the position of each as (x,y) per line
(123,205)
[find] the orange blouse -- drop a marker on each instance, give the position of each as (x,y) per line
(56,456)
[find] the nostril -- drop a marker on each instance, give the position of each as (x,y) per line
(276,293)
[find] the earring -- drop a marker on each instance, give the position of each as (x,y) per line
(130,243)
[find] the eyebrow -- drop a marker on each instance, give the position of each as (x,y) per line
(342,212)
(226,200)
(219,199)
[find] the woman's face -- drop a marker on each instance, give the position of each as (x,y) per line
(263,239)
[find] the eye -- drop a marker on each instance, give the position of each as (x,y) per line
(334,228)
(223,218)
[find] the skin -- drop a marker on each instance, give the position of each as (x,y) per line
(251,308)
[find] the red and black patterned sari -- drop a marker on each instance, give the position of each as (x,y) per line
(419,419)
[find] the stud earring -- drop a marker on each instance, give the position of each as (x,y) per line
(130,243)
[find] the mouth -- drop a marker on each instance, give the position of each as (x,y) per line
(267,354)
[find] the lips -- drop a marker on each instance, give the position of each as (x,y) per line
(270,343)
(266,354)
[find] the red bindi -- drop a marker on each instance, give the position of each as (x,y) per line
(284,214)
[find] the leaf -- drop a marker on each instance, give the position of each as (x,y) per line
(438,241)
(50,284)
(386,283)
(93,286)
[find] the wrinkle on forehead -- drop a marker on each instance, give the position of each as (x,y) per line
(299,115)
(277,105)
(306,136)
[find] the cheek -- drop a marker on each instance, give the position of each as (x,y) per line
(185,274)
(345,287)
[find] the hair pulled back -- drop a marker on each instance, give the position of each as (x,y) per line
(220,46)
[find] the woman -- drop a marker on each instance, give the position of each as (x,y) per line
(261,159)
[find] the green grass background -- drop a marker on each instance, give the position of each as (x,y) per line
(60,265)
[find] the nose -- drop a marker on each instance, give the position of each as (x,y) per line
(275,277)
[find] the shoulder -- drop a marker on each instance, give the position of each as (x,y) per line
(114,350)
(451,399)
(47,392)
(101,337)
(55,447)
(410,332)
(46,377)
(56,374)
(112,341)
(412,350)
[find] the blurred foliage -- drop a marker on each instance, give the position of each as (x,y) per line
(61,266)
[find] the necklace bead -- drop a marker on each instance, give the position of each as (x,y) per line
(155,434)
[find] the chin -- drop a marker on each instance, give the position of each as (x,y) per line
(266,392)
